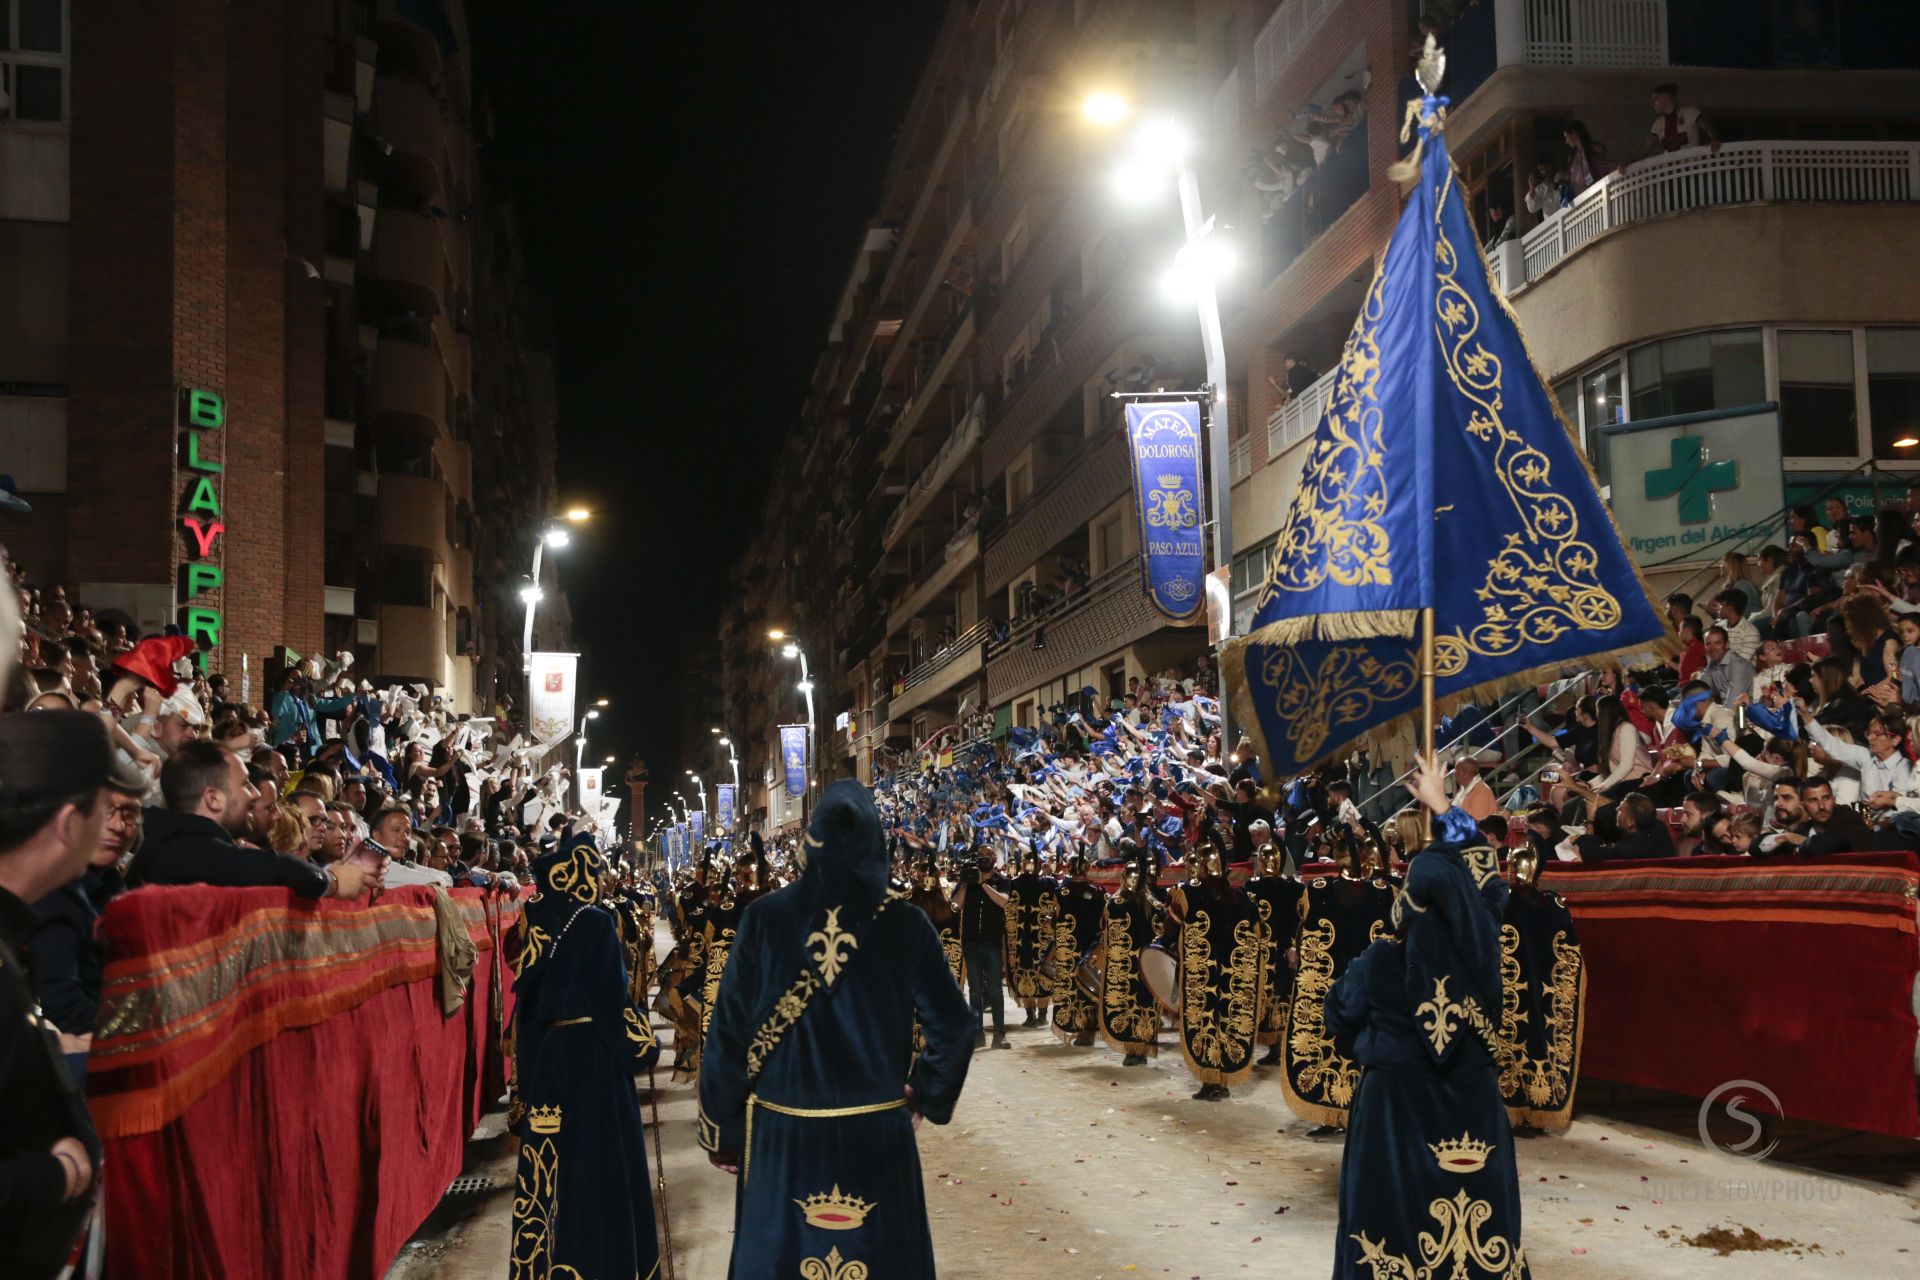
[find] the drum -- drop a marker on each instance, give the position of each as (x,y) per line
(1161,972)
(1091,972)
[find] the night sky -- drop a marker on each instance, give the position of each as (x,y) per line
(692,181)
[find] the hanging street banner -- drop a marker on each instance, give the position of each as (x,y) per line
(679,845)
(592,789)
(1442,476)
(697,827)
(551,690)
(723,800)
(1163,441)
(793,758)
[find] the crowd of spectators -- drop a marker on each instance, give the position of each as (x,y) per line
(1315,166)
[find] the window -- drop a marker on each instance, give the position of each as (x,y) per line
(1013,248)
(1893,393)
(1697,372)
(1567,392)
(33,62)
(1019,488)
(1818,414)
(1605,398)
(1250,570)
(1109,543)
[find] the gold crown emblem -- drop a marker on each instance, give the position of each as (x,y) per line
(834,1211)
(1463,1154)
(544,1120)
(1169,482)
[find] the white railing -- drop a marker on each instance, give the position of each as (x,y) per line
(1742,173)
(1283,37)
(1295,421)
(1592,33)
(1240,459)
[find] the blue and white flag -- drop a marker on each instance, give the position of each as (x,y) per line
(1163,440)
(793,758)
(723,806)
(697,827)
(1442,476)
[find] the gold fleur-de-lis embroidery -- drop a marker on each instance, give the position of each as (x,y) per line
(835,944)
(832,1267)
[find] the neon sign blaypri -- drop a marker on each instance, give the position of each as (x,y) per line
(201,412)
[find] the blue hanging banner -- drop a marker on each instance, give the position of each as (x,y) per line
(1442,477)
(697,822)
(723,806)
(1163,440)
(793,757)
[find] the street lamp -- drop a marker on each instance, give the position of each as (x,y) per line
(699,782)
(792,650)
(580,742)
(1202,261)
(733,760)
(556,538)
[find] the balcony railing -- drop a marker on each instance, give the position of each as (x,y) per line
(1741,173)
(1240,459)
(1583,33)
(1111,613)
(937,472)
(1295,420)
(968,641)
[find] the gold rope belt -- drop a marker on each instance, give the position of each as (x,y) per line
(571,1022)
(805,1113)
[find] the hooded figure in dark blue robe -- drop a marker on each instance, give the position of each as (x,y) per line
(809,1085)
(583,1203)
(1427,1183)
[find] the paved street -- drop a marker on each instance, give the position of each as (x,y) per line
(1060,1163)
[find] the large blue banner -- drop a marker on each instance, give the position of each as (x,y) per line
(697,824)
(793,758)
(1163,440)
(1441,477)
(723,806)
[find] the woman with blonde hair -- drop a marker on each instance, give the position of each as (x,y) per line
(1737,575)
(289,834)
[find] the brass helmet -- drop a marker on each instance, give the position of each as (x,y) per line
(1524,867)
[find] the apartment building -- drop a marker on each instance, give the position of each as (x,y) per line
(1694,285)
(237,325)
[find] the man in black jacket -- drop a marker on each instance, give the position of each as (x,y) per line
(1642,834)
(191,841)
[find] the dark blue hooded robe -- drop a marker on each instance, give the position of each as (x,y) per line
(1427,1182)
(811,1043)
(583,1203)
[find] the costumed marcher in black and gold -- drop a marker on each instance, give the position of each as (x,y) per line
(583,1203)
(809,1087)
(1339,916)
(1033,905)
(1219,945)
(1076,932)
(53,766)
(1427,1181)
(744,879)
(635,924)
(1276,896)
(683,977)
(930,895)
(1129,1017)
(1543,1016)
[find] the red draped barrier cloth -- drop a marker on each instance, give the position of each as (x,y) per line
(278,1091)
(1797,973)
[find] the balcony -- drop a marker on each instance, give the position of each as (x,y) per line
(960,553)
(413,513)
(1581,33)
(1742,173)
(1110,614)
(1240,459)
(1084,485)
(409,265)
(958,337)
(407,118)
(413,644)
(410,390)
(959,660)
(1296,420)
(929,483)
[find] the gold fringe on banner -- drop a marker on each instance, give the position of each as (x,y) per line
(1363,624)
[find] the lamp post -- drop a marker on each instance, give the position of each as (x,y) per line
(702,792)
(792,649)
(1198,266)
(733,760)
(580,744)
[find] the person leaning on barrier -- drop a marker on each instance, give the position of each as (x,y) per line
(53,767)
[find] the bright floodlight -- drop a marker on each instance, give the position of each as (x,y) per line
(726,742)
(593,715)
(1139,180)
(601,703)
(557,538)
(1104,108)
(1906,442)
(609,759)
(715,732)
(1199,262)
(791,651)
(1162,140)
(776,634)
(530,593)
(805,686)
(577,514)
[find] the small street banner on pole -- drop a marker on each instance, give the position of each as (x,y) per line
(697,822)
(1163,441)
(793,757)
(723,806)
(551,689)
(592,788)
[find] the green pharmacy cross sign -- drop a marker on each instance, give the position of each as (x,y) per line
(1694,482)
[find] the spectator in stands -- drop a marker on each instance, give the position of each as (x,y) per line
(1543,197)
(1882,767)
(1675,127)
(1698,813)
(1730,607)
(391,835)
(1840,704)
(1587,160)
(1500,227)
(1641,834)
(1825,826)
(192,841)
(1873,637)
(1299,374)
(1729,675)
(1693,649)
(1471,792)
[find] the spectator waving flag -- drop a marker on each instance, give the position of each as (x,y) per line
(1442,477)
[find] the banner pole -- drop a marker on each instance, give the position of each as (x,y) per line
(1426,684)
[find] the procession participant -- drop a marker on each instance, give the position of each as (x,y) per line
(1219,945)
(583,1203)
(1339,916)
(1543,1015)
(1032,907)
(821,1129)
(981,901)
(685,975)
(53,768)
(1128,1015)
(1276,896)
(930,895)
(1076,933)
(1427,1180)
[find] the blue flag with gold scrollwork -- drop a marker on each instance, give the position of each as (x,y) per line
(697,827)
(1441,475)
(723,797)
(1163,440)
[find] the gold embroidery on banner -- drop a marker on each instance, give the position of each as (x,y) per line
(835,943)
(832,1267)
(1343,689)
(1457,1240)
(1543,583)
(1333,529)
(1218,1020)
(1125,1018)
(1318,1070)
(1544,1082)
(535,1185)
